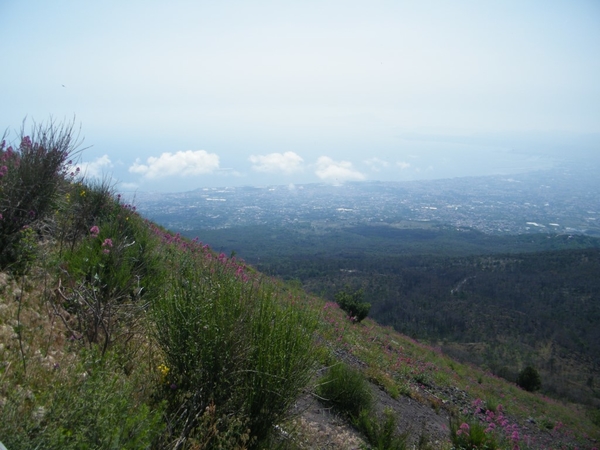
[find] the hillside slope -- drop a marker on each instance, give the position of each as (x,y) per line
(501,302)
(46,344)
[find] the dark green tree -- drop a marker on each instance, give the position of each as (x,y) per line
(529,379)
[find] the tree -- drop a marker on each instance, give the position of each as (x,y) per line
(353,304)
(529,379)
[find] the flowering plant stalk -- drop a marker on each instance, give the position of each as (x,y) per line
(31,176)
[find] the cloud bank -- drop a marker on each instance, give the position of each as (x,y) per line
(288,162)
(94,169)
(188,163)
(376,164)
(337,171)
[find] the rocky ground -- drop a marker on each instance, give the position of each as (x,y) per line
(426,421)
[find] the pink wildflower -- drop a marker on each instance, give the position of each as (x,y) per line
(94,231)
(463,429)
(107,243)
(26,142)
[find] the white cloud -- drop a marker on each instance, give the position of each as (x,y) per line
(403,165)
(376,164)
(334,171)
(287,162)
(190,162)
(128,186)
(94,169)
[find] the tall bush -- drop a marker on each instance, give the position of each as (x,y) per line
(346,389)
(353,304)
(107,275)
(232,345)
(30,177)
(529,379)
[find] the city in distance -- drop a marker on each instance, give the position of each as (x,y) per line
(562,200)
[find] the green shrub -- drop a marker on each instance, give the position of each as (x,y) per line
(594,415)
(231,342)
(83,205)
(30,179)
(491,404)
(109,273)
(471,435)
(353,304)
(381,435)
(529,379)
(346,389)
(93,405)
(23,251)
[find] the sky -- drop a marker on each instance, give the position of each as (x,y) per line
(178,95)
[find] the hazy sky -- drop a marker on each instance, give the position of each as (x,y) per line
(179,95)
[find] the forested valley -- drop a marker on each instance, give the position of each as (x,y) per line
(501,302)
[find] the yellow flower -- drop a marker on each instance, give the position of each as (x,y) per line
(82,193)
(164,371)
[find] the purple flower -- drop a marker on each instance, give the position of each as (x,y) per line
(95,230)
(464,429)
(107,243)
(26,142)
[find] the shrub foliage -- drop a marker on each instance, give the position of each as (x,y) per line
(154,341)
(230,344)
(353,304)
(346,389)
(31,175)
(529,379)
